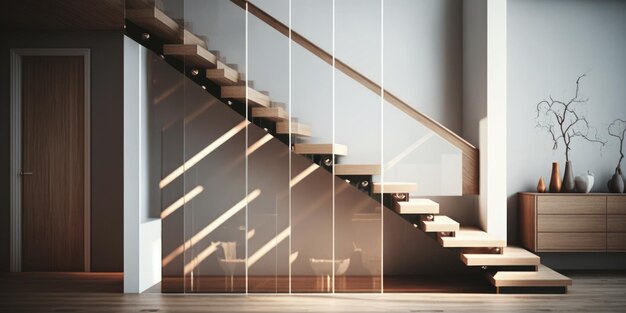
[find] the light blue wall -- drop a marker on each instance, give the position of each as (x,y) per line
(550,43)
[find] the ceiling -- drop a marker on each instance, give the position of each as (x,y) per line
(62,14)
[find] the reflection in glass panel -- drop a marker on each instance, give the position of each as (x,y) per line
(268,160)
(215,148)
(311,182)
(358,125)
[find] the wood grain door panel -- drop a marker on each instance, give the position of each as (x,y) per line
(53,150)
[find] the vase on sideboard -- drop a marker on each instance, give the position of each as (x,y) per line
(568,178)
(555,178)
(616,184)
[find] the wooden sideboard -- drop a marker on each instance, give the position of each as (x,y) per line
(572,222)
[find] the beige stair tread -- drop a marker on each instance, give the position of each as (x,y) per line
(297,129)
(468,237)
(394,187)
(190,38)
(223,74)
(417,206)
(155,21)
(440,223)
(193,55)
(276,114)
(511,256)
(357,169)
(320,148)
(255,98)
(543,277)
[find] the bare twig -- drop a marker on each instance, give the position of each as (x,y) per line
(562,121)
(617,129)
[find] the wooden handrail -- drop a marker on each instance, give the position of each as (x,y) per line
(470,153)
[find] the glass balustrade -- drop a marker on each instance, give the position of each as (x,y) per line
(270,160)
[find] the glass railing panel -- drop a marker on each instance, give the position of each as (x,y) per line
(415,154)
(163,92)
(215,212)
(311,184)
(215,150)
(357,117)
(268,158)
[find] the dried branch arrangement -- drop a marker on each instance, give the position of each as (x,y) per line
(564,122)
(617,129)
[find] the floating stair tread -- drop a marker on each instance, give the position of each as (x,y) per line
(511,256)
(468,237)
(297,129)
(394,187)
(255,98)
(440,223)
(320,148)
(276,114)
(543,277)
(223,74)
(155,21)
(190,38)
(417,206)
(357,169)
(194,55)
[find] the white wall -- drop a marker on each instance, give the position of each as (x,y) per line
(484,104)
(142,233)
(550,44)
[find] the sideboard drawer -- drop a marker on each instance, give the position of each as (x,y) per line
(571,223)
(616,223)
(616,241)
(571,205)
(616,204)
(571,241)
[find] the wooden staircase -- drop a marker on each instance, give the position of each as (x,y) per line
(508,268)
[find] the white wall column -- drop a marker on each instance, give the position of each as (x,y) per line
(142,234)
(484,105)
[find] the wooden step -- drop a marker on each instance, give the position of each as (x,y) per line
(223,74)
(276,114)
(511,256)
(417,206)
(357,169)
(543,277)
(440,223)
(391,187)
(255,98)
(297,129)
(156,22)
(193,55)
(468,237)
(323,148)
(190,38)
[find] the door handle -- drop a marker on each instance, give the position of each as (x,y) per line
(26,173)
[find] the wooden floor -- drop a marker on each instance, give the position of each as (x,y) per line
(591,292)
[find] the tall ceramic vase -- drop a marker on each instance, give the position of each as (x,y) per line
(616,184)
(555,178)
(568,178)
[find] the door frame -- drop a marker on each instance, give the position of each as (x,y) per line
(16,149)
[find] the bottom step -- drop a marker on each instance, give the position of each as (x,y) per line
(543,277)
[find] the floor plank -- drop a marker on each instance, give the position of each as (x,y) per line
(591,292)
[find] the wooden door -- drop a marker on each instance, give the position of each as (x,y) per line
(53,150)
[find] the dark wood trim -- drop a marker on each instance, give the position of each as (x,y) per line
(470,153)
